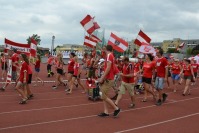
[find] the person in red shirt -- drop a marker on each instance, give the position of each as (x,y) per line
(59,68)
(71,64)
(23,78)
(37,70)
(50,62)
(128,82)
(188,73)
(175,72)
(107,82)
(148,69)
(3,65)
(162,73)
(195,70)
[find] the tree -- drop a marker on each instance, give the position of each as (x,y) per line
(35,37)
(189,51)
(172,50)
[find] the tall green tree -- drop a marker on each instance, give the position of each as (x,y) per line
(35,37)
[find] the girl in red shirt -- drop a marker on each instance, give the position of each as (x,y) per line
(148,68)
(3,65)
(175,71)
(23,78)
(59,67)
(188,73)
(37,70)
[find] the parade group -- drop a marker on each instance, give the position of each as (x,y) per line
(117,74)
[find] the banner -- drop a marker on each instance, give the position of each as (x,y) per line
(21,48)
(33,47)
(147,49)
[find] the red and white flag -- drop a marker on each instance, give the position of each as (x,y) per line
(95,38)
(89,24)
(181,46)
(90,42)
(142,37)
(147,49)
(33,47)
(117,43)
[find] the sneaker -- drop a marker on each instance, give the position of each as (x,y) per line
(48,75)
(159,102)
(115,97)
(164,96)
(54,87)
(132,105)
(116,112)
(76,85)
(30,96)
(103,115)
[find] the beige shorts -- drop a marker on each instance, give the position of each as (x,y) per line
(105,87)
(126,86)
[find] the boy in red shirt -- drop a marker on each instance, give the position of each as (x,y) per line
(127,82)
(162,73)
(107,82)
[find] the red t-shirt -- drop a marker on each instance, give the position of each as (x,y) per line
(76,69)
(148,69)
(195,67)
(71,64)
(24,68)
(127,69)
(187,70)
(37,64)
(136,67)
(15,59)
(110,58)
(175,69)
(50,60)
(161,64)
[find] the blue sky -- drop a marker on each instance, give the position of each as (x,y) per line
(161,20)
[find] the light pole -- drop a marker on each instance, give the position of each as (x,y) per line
(52,46)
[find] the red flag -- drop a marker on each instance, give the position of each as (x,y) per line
(88,24)
(96,25)
(33,47)
(180,46)
(90,42)
(142,37)
(95,38)
(117,43)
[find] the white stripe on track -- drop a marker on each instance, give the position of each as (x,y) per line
(84,117)
(158,123)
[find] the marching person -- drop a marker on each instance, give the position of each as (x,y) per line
(50,62)
(37,70)
(3,65)
(162,73)
(15,66)
(188,73)
(175,73)
(148,69)
(23,78)
(107,82)
(127,76)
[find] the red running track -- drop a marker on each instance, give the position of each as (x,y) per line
(53,111)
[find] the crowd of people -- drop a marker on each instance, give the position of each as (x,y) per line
(118,74)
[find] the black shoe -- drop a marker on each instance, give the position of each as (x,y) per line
(183,94)
(2,89)
(30,96)
(23,102)
(103,115)
(52,73)
(164,96)
(76,85)
(116,112)
(159,102)
(115,97)
(48,75)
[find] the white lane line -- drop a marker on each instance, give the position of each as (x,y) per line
(158,123)
(84,117)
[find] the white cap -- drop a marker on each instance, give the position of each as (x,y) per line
(101,61)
